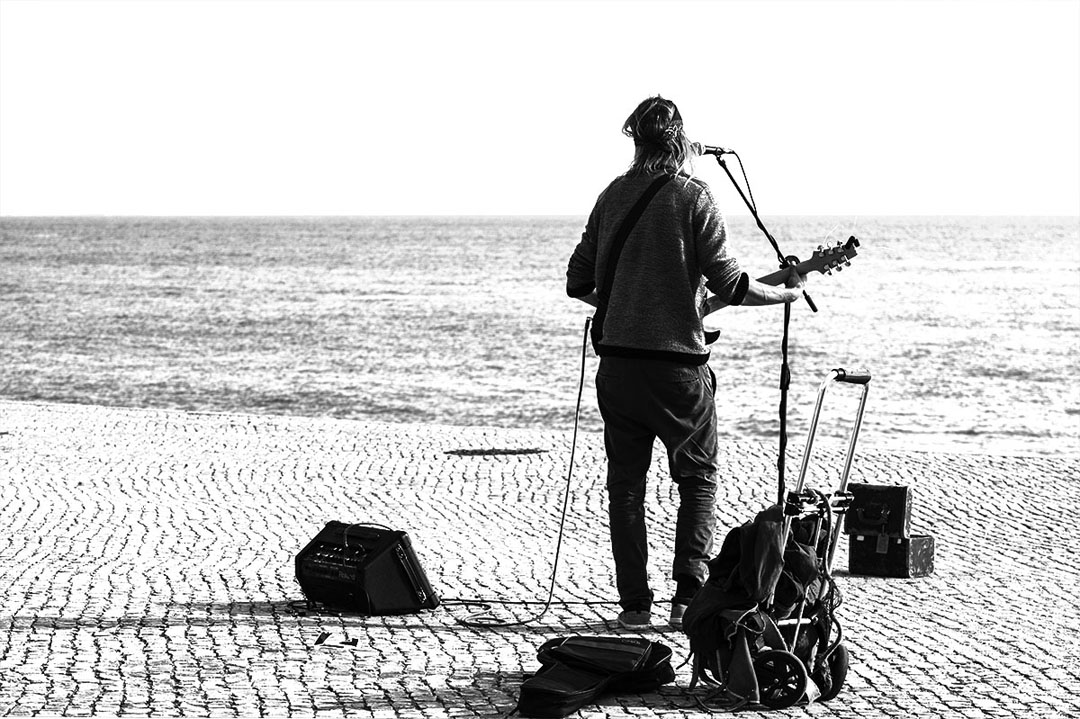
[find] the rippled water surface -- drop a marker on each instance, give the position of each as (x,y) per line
(969,326)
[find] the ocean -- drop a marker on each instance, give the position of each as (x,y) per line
(967,325)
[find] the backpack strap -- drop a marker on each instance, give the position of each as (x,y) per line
(604,293)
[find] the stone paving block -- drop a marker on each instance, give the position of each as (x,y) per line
(148,569)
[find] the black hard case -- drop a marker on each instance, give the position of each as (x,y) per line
(364,569)
(883,556)
(879,509)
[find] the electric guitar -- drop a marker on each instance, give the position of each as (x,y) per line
(824,260)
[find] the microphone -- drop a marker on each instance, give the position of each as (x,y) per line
(711,150)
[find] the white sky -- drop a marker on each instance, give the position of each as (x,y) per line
(253,107)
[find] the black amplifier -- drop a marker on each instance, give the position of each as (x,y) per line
(363,568)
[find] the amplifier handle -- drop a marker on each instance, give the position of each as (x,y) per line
(414,580)
(345,532)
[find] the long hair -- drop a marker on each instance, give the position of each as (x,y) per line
(659,141)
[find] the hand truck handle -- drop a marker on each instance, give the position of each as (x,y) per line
(843,376)
(837,375)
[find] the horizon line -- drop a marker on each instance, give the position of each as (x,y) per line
(102,215)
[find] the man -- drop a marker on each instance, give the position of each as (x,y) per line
(647,276)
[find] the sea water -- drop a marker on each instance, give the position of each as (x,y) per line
(968,326)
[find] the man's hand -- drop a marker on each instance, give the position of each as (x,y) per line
(796,285)
(794,280)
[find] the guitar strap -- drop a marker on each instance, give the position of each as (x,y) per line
(604,293)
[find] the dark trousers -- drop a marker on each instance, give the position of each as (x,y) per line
(641,400)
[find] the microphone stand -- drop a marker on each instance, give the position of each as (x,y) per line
(785,371)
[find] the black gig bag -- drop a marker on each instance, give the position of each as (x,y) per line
(577,670)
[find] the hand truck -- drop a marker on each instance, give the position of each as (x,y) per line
(816,668)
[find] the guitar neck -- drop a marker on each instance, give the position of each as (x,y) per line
(778,277)
(823,260)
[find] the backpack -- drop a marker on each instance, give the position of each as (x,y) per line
(754,582)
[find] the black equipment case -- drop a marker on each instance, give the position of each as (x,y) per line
(879,509)
(364,568)
(880,543)
(904,557)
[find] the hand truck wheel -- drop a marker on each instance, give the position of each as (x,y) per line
(837,666)
(781,678)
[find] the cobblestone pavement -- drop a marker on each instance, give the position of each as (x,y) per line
(147,568)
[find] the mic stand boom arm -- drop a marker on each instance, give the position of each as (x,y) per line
(784,261)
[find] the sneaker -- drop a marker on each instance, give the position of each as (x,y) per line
(677,611)
(635,619)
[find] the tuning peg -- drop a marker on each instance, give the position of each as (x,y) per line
(829,272)
(839,268)
(847,263)
(820,248)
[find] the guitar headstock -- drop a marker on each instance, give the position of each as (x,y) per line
(827,259)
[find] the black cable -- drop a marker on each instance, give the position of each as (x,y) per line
(751,203)
(483,618)
(486,604)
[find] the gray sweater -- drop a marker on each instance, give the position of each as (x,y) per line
(677,249)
